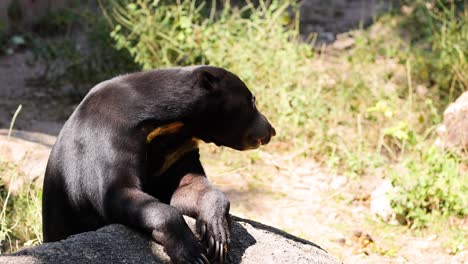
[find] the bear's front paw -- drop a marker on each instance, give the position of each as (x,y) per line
(215,235)
(186,250)
(214,228)
(179,242)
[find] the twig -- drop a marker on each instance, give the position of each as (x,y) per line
(13,121)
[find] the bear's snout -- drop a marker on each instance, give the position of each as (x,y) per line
(260,132)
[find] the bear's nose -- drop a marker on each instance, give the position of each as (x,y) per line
(272,131)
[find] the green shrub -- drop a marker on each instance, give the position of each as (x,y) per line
(439,32)
(20,217)
(430,183)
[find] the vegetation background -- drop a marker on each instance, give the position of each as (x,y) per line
(351,115)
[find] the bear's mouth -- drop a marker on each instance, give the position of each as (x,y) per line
(258,142)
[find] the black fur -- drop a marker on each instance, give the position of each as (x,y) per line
(102,170)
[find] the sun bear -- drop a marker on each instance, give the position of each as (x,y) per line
(129,154)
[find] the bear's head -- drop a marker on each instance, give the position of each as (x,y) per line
(227,114)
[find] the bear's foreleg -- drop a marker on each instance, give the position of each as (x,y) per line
(133,207)
(196,197)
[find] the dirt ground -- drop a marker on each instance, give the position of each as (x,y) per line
(279,189)
(307,200)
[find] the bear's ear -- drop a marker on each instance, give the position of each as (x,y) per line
(208,79)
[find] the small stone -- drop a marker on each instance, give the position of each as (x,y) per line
(343,43)
(338,182)
(380,203)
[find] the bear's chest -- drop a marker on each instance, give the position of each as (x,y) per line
(163,156)
(164,151)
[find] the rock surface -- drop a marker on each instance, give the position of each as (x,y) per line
(252,243)
(453,133)
(330,18)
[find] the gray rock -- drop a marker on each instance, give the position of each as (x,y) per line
(453,133)
(380,202)
(252,242)
(329,18)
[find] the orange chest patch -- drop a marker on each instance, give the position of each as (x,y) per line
(164,130)
(174,155)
